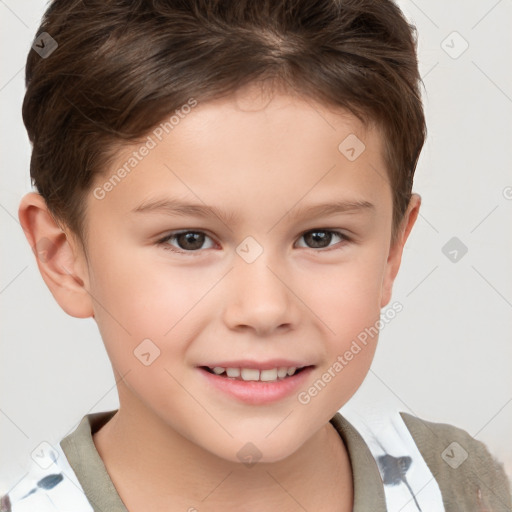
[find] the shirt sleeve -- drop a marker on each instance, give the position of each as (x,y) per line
(469,477)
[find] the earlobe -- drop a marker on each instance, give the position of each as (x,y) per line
(58,258)
(396,250)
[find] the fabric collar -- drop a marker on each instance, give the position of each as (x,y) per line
(92,474)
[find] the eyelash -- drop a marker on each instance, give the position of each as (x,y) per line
(163,241)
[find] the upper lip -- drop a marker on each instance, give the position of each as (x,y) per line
(258,365)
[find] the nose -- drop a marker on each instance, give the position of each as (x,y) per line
(259,296)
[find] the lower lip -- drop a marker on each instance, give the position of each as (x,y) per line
(256,392)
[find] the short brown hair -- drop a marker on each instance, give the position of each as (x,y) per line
(121,66)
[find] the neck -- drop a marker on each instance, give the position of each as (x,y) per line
(153,467)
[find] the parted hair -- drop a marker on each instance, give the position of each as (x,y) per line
(121,66)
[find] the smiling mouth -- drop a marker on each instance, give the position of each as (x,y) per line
(250,374)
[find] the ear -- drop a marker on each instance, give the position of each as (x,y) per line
(60,260)
(396,250)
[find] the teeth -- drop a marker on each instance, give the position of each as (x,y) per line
(268,375)
(252,374)
(282,372)
(233,372)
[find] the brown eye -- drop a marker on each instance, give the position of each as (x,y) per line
(190,240)
(321,238)
(187,241)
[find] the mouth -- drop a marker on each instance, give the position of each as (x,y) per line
(256,386)
(252,374)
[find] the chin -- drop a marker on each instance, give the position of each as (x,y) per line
(251,453)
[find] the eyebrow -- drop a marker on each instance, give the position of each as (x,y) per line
(179,208)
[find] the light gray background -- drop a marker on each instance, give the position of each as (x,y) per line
(447,357)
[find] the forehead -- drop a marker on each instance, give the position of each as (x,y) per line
(250,148)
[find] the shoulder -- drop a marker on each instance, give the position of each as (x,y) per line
(48,485)
(463,467)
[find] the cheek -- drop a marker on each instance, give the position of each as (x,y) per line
(137,298)
(346,298)
(142,296)
(346,295)
(350,318)
(143,291)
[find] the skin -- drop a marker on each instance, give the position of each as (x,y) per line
(260,157)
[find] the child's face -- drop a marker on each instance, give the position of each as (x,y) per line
(251,287)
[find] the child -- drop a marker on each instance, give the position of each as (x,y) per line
(257,129)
